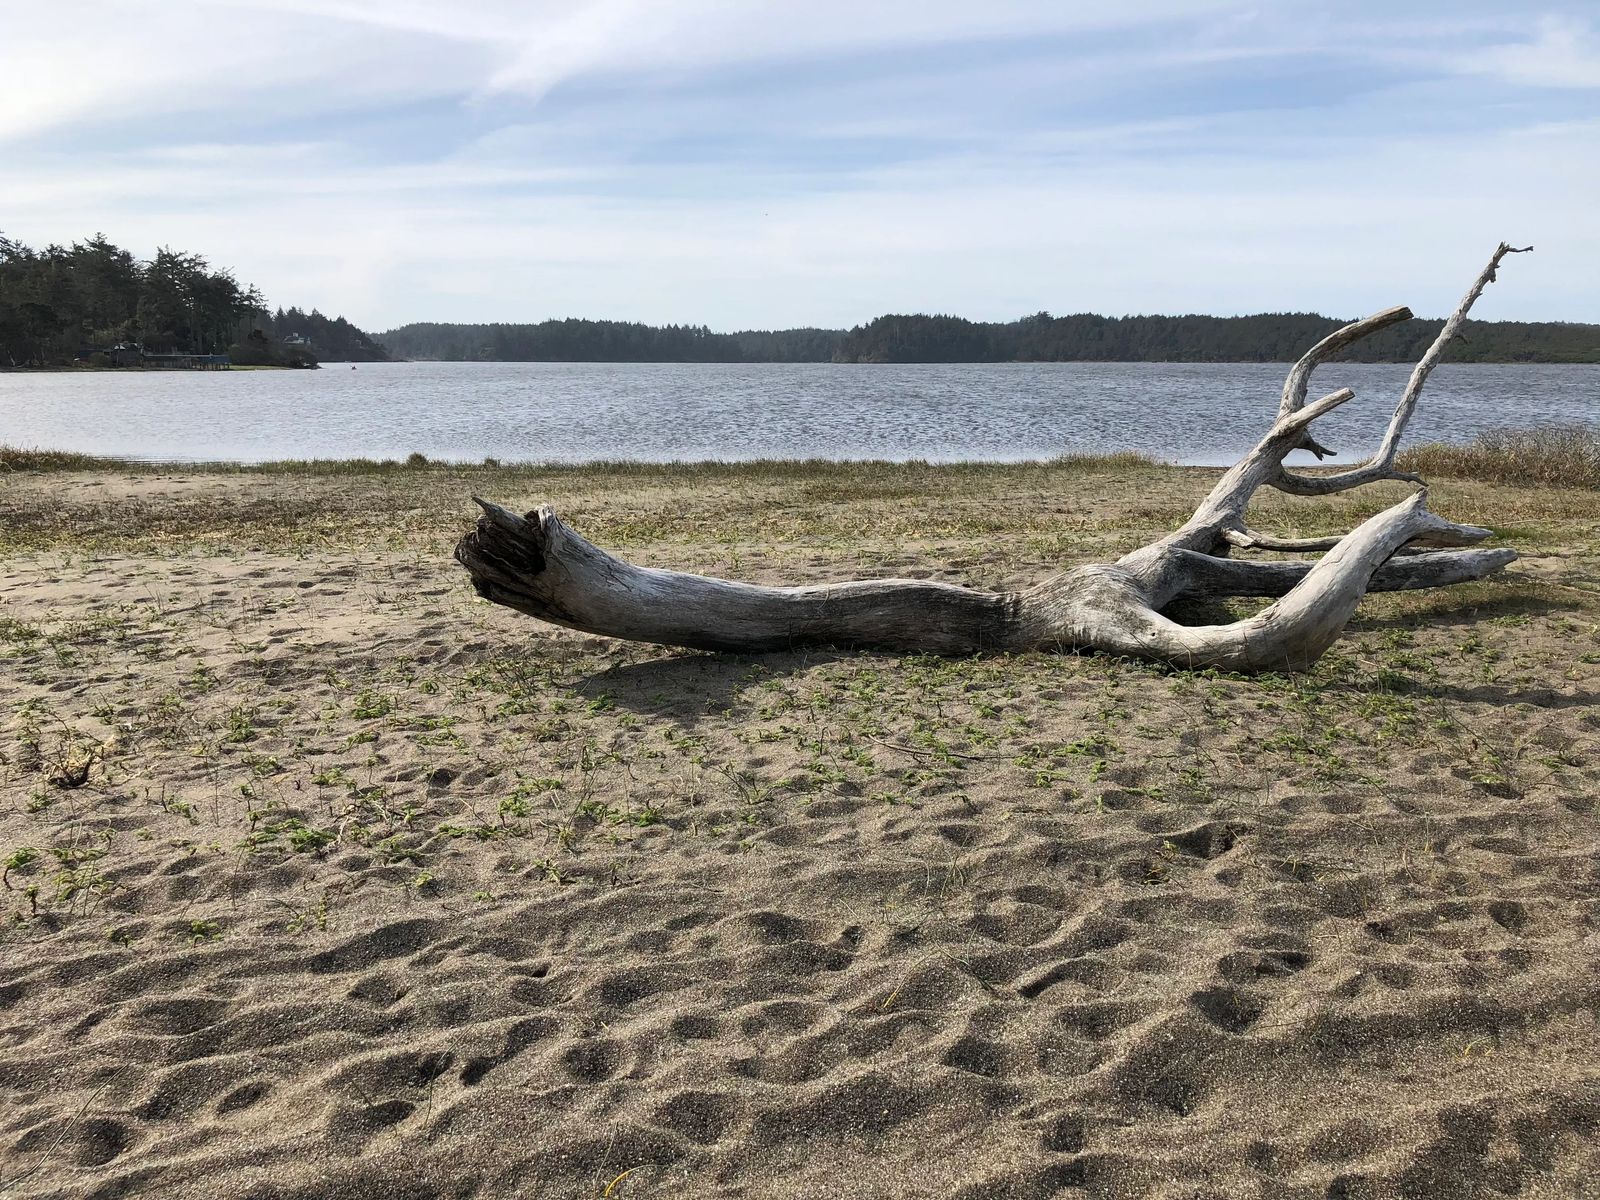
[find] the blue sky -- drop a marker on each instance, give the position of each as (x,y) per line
(748,164)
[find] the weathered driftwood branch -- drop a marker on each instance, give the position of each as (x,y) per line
(537,565)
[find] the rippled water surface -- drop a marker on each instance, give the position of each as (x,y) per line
(1191,413)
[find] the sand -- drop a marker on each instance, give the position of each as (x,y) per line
(344,883)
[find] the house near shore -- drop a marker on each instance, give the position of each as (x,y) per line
(187,362)
(131,354)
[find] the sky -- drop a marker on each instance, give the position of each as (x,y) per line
(762,164)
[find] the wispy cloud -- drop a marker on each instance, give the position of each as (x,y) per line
(749,164)
(1562,52)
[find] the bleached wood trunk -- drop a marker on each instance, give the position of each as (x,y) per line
(539,566)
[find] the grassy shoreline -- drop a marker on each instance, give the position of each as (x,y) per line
(41,459)
(1553,456)
(1051,509)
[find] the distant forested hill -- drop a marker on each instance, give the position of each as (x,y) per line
(68,303)
(789,345)
(1084,337)
(333,338)
(1265,337)
(574,340)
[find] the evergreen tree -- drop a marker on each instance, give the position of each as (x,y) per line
(60,304)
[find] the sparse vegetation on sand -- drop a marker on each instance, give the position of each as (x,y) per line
(319,874)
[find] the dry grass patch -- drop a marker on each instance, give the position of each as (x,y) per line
(1553,456)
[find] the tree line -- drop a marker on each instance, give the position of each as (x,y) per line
(577,340)
(66,304)
(571,340)
(923,338)
(1263,337)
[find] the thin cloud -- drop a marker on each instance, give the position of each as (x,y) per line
(751,165)
(1563,53)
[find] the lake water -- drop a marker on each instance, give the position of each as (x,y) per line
(566,412)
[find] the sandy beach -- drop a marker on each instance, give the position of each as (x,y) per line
(324,878)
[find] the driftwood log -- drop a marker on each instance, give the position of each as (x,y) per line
(539,566)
